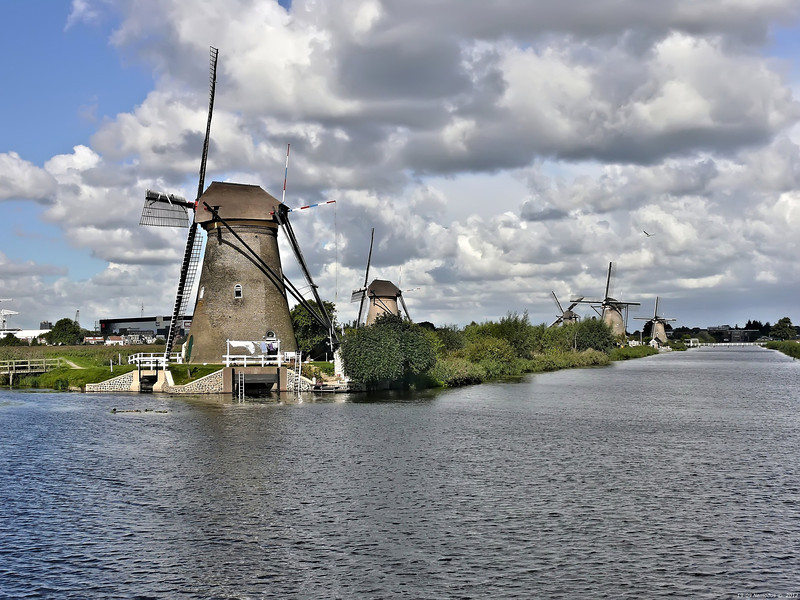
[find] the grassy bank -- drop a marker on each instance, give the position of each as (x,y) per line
(70,379)
(92,364)
(788,348)
(82,356)
(455,371)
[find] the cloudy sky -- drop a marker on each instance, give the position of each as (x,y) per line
(500,150)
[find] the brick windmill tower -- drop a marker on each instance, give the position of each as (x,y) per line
(242,292)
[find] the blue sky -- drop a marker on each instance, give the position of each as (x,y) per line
(519,150)
(63,81)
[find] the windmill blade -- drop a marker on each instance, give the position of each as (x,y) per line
(608,282)
(214,54)
(575,303)
(655,310)
(282,216)
(556,322)
(366,277)
(191,254)
(558,304)
(405,308)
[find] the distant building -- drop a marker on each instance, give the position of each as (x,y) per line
(26,335)
(93,339)
(152,326)
(115,340)
(45,325)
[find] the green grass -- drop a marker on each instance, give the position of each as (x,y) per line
(83,356)
(183,374)
(94,363)
(66,378)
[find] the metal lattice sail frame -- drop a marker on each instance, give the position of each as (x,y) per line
(168,210)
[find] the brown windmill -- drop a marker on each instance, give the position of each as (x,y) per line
(242,293)
(383,295)
(611,309)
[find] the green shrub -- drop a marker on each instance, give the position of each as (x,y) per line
(594,334)
(324,367)
(788,348)
(392,350)
(454,372)
(628,352)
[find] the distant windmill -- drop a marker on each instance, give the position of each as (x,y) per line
(657,325)
(242,292)
(565,317)
(382,295)
(611,308)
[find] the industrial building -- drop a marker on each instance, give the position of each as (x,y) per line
(156,326)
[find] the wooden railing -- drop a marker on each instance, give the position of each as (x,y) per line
(24,366)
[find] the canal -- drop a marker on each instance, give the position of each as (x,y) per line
(669,476)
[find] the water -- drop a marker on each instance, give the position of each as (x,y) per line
(670,476)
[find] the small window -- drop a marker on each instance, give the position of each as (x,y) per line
(237,291)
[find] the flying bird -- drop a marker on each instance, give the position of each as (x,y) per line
(648,234)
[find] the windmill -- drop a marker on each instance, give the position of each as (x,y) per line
(565,317)
(611,308)
(242,291)
(657,325)
(381,293)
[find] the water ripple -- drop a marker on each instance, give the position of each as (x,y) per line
(673,476)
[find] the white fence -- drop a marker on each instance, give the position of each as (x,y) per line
(261,353)
(153,360)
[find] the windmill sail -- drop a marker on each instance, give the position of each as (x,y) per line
(193,251)
(162,210)
(360,294)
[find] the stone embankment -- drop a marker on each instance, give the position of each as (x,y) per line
(210,384)
(122,383)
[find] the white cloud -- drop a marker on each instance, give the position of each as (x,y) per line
(499,150)
(21,180)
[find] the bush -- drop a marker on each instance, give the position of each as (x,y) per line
(789,348)
(514,328)
(628,352)
(594,334)
(324,367)
(453,372)
(451,338)
(391,350)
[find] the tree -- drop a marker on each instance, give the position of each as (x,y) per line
(515,328)
(783,329)
(11,340)
(451,338)
(312,337)
(391,350)
(65,332)
(594,334)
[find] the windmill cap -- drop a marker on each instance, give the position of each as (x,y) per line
(236,201)
(382,288)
